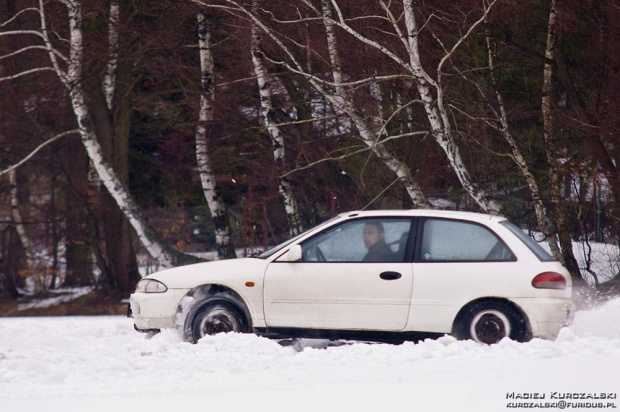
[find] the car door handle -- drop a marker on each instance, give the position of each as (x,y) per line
(390,275)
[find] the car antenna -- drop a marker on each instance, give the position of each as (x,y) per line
(384,190)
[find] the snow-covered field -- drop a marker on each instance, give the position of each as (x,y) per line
(101,364)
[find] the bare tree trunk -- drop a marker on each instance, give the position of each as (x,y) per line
(32,266)
(68,69)
(543,221)
(8,269)
(78,247)
(270,122)
(559,212)
(342,100)
(111,113)
(219,213)
(437,114)
(163,254)
(109,81)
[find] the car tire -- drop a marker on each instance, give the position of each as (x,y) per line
(215,314)
(489,322)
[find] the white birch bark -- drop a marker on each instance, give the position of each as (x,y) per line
(109,80)
(31,259)
(162,254)
(552,162)
(277,139)
(375,92)
(343,101)
(437,114)
(543,221)
(217,208)
(69,71)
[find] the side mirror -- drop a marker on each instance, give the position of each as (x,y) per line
(293,254)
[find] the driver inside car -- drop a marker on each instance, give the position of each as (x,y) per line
(374,240)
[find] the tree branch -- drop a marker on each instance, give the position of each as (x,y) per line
(38,149)
(25,49)
(51,50)
(465,36)
(20,32)
(341,23)
(27,72)
(18,14)
(362,150)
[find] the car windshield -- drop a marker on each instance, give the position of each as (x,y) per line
(541,253)
(275,249)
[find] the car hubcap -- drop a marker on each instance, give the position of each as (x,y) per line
(217,321)
(490,326)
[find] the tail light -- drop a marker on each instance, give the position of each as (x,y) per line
(549,280)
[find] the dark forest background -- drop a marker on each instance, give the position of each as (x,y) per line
(69,231)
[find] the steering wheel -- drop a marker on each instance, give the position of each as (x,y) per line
(319,254)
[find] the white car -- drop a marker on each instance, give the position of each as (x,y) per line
(372,275)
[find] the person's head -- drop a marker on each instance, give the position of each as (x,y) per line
(373,234)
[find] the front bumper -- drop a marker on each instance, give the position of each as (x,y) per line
(155,310)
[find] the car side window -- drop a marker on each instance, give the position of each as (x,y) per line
(363,240)
(446,240)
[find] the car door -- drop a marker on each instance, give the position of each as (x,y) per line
(340,284)
(456,262)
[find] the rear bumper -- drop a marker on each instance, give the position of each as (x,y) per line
(547,316)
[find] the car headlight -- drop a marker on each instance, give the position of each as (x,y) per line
(151,286)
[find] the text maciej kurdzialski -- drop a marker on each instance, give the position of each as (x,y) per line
(561,395)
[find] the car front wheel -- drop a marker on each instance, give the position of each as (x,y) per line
(490,322)
(214,315)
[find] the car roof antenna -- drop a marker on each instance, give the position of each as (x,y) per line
(379,195)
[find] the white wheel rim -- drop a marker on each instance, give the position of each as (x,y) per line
(217,321)
(489,326)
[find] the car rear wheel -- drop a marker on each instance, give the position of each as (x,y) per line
(490,322)
(212,316)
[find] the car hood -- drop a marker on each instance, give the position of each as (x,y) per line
(226,272)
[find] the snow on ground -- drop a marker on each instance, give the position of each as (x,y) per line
(59,295)
(101,364)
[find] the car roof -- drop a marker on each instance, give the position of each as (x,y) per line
(451,214)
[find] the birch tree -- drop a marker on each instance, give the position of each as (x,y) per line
(431,90)
(67,65)
(501,124)
(72,78)
(219,213)
(559,212)
(435,106)
(552,227)
(109,81)
(108,112)
(343,101)
(340,98)
(269,120)
(35,271)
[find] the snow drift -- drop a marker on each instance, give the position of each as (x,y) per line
(101,364)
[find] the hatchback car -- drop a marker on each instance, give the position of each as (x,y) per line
(372,275)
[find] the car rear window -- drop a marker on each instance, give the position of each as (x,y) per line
(541,253)
(446,240)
